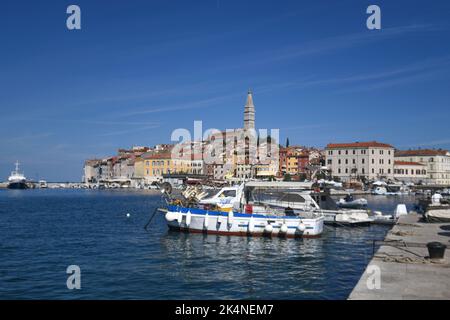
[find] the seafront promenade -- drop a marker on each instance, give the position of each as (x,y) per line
(405,269)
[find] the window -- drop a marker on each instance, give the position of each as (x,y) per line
(362,161)
(339,170)
(346,151)
(354,161)
(339,161)
(354,151)
(346,161)
(363,171)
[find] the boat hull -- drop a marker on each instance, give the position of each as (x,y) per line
(239,224)
(17,185)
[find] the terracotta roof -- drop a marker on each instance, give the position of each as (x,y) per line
(157,156)
(407,163)
(420,152)
(369,144)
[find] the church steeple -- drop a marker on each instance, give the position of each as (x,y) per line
(249,112)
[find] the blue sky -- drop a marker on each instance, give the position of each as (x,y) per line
(139,69)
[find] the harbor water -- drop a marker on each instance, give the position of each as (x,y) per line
(42,232)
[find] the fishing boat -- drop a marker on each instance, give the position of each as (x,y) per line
(17,180)
(231,211)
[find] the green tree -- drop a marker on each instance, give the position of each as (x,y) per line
(287,142)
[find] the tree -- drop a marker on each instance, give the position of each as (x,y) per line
(287,142)
(287,177)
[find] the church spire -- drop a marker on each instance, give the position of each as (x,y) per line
(249,112)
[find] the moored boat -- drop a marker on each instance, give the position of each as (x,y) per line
(231,211)
(17,180)
(241,224)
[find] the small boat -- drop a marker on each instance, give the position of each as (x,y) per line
(438,210)
(349,203)
(379,191)
(17,180)
(43,184)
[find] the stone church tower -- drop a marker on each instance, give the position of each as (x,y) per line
(249,113)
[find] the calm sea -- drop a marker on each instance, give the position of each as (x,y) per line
(42,232)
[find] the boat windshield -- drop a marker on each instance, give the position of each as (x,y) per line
(227,193)
(291,197)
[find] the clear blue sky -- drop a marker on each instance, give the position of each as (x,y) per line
(139,69)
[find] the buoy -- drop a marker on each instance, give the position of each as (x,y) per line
(268,228)
(188,218)
(284,228)
(179,217)
(301,227)
(171,216)
(205,222)
(128,215)
(251,225)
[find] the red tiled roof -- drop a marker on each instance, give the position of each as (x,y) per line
(157,156)
(421,152)
(369,144)
(407,163)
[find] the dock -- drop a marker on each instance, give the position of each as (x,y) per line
(405,270)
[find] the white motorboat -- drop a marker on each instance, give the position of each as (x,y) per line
(350,203)
(43,184)
(379,191)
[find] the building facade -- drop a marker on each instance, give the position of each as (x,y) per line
(408,171)
(360,160)
(436,162)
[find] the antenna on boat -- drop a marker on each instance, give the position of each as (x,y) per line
(17,166)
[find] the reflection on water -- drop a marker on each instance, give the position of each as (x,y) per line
(44,231)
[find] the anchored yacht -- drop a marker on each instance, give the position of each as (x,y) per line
(17,180)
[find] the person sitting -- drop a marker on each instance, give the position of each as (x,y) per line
(348,198)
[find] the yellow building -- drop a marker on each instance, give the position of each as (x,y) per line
(138,167)
(155,165)
(292,164)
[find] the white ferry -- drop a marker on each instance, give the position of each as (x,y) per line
(17,180)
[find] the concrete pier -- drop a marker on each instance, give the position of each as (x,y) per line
(406,272)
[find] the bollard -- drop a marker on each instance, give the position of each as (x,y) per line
(436,250)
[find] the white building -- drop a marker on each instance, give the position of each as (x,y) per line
(437,163)
(353,161)
(408,171)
